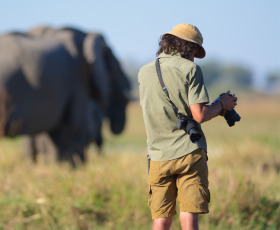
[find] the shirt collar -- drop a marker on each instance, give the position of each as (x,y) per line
(164,55)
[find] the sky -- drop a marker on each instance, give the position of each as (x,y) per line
(245,32)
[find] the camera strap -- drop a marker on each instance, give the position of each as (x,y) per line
(165,89)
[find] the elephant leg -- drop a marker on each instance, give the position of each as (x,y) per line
(46,146)
(80,151)
(67,155)
(99,150)
(71,135)
(68,145)
(30,147)
(34,152)
(56,137)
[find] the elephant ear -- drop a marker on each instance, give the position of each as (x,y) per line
(121,82)
(94,49)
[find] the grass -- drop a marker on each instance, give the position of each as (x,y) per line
(110,192)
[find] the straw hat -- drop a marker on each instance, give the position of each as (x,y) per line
(190,33)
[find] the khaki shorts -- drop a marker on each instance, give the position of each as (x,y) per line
(185,177)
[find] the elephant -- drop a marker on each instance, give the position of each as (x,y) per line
(50,77)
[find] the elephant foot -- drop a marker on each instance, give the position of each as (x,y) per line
(75,159)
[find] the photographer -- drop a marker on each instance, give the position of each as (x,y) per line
(178,166)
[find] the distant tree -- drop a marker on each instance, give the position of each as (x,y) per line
(273,82)
(238,75)
(131,68)
(273,77)
(211,72)
(214,72)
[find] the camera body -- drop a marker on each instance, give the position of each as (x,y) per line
(190,127)
(231,116)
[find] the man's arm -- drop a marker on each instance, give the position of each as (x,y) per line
(202,112)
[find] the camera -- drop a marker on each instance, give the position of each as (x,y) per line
(231,116)
(190,127)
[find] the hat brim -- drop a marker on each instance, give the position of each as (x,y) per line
(201,51)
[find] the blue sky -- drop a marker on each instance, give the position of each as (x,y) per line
(245,32)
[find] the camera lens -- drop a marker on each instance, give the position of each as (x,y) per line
(195,135)
(231,117)
(192,130)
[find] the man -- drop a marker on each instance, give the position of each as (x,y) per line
(178,166)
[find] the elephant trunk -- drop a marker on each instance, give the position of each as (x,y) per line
(94,49)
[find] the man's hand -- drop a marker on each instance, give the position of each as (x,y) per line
(202,112)
(228,102)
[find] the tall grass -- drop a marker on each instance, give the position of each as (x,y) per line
(110,192)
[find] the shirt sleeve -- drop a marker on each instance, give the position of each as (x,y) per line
(197,90)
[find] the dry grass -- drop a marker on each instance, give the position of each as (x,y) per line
(110,192)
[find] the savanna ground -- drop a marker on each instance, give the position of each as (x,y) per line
(110,192)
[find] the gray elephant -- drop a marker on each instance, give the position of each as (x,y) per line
(48,75)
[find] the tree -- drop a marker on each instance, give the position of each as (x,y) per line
(215,72)
(273,77)
(211,72)
(273,82)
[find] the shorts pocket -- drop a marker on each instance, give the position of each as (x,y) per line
(150,196)
(203,187)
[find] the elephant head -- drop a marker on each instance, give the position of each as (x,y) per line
(109,79)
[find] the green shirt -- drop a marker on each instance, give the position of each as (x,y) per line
(184,82)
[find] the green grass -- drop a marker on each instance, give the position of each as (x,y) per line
(110,191)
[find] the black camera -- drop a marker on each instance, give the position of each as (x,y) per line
(189,125)
(231,116)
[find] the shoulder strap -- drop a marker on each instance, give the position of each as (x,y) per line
(165,89)
(160,78)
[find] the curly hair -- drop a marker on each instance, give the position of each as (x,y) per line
(171,44)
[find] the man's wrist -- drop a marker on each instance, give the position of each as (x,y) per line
(222,106)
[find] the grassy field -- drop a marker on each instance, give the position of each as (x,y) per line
(110,192)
